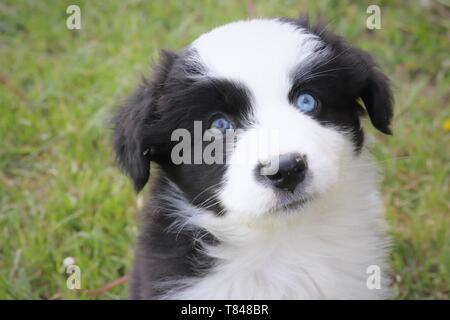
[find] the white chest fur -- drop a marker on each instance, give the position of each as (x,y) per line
(321,252)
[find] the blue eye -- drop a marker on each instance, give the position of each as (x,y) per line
(221,124)
(306,103)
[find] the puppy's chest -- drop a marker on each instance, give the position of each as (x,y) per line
(283,267)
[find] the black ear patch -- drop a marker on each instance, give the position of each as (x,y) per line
(377,98)
(131,123)
(358,71)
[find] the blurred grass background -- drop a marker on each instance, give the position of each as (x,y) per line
(60,194)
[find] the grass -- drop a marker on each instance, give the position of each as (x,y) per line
(60,194)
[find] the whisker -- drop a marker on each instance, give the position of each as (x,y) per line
(210,187)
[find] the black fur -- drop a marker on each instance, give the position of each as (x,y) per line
(162,253)
(172,98)
(347,75)
(133,120)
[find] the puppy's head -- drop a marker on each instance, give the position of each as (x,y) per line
(281,81)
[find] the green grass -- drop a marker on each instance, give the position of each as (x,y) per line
(60,194)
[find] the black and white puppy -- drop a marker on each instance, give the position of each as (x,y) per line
(310,230)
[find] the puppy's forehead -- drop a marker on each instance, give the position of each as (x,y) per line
(258,53)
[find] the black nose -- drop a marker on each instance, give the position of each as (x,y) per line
(291,171)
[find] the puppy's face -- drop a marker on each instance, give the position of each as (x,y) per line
(290,91)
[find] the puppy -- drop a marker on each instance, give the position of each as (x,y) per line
(310,229)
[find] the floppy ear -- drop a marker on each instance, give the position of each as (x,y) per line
(377,97)
(375,89)
(132,145)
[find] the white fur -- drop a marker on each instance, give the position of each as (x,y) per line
(321,250)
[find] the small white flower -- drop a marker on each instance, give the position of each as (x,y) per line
(68,261)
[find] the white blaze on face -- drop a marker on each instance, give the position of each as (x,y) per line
(262,55)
